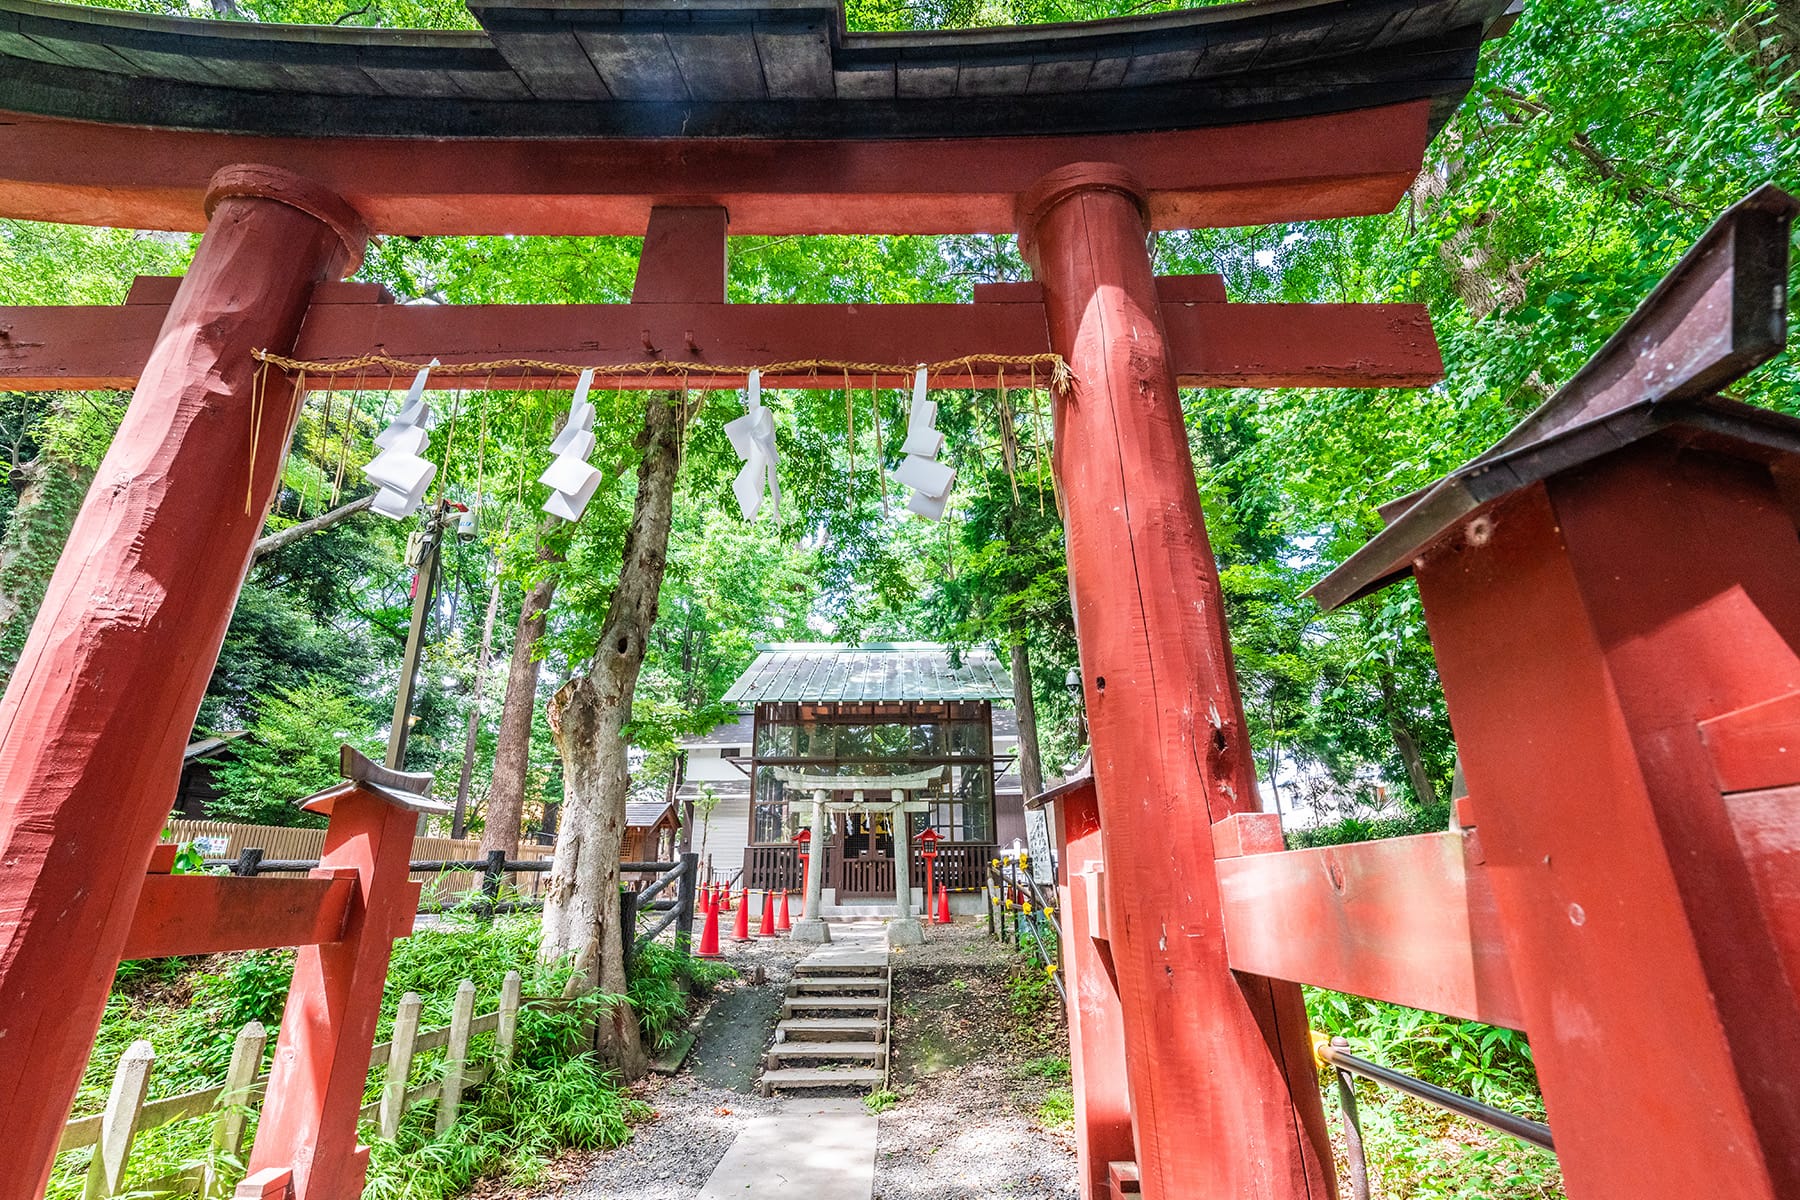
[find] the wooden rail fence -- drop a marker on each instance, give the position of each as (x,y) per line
(128,1112)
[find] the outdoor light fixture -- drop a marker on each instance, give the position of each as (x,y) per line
(1072,681)
(571,479)
(753,437)
(929,479)
(401,471)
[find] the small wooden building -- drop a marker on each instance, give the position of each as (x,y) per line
(858,711)
(650,830)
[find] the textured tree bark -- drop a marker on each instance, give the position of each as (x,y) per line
(1406,744)
(460,815)
(1224,1093)
(95,719)
(588,717)
(293,533)
(1031,765)
(512,746)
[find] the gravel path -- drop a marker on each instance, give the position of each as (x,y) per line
(699,1112)
(965,1126)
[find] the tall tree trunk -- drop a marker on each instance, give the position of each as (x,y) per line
(34,538)
(512,747)
(471,735)
(1031,767)
(1406,743)
(1031,763)
(588,717)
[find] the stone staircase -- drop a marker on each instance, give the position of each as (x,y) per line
(834,1025)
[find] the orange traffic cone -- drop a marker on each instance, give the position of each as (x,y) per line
(943,905)
(727,891)
(709,932)
(782,921)
(740,930)
(766,927)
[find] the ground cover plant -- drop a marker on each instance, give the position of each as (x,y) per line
(553,1098)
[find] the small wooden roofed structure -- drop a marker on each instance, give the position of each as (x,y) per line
(646,821)
(829,673)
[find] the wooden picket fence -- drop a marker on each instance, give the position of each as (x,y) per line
(129,1113)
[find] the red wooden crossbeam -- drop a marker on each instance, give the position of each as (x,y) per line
(1213,343)
(209,914)
(1407,920)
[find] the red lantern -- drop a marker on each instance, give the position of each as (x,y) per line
(803,839)
(928,839)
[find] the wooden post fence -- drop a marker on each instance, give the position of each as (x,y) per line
(129,1113)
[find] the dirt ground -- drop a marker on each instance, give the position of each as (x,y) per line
(975,1115)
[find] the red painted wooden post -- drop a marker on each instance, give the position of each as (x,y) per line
(94,721)
(1584,628)
(1096,1030)
(1224,1093)
(321,1060)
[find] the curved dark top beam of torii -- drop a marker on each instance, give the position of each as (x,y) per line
(576,116)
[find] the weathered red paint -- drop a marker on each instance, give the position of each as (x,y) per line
(1096,1029)
(321,1061)
(1585,628)
(683,260)
(98,712)
(1407,920)
(1211,344)
(207,914)
(1343,164)
(1756,747)
(1224,1095)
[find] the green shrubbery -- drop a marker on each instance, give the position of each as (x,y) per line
(551,1099)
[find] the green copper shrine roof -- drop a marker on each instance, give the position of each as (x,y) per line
(822,672)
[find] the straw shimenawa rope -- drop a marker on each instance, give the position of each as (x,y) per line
(1060,376)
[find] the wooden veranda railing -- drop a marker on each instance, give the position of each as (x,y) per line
(961,866)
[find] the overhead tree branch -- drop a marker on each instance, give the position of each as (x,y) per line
(293,533)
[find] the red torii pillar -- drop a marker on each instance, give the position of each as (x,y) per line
(95,719)
(1224,1091)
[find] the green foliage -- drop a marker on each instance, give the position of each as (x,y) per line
(663,978)
(291,752)
(191,1010)
(1057,1109)
(1054,1067)
(1361,829)
(878,1102)
(1491,1064)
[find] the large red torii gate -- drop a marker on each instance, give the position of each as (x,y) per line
(630,120)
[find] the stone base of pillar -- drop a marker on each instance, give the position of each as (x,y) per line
(905,932)
(811,931)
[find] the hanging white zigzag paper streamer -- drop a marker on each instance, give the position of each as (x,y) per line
(401,471)
(570,478)
(920,470)
(753,437)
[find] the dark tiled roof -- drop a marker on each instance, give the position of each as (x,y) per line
(740,68)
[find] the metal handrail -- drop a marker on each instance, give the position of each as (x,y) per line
(997,880)
(1335,1054)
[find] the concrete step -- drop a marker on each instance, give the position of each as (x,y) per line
(830,1029)
(876,985)
(793,1004)
(842,962)
(819,1053)
(793,1078)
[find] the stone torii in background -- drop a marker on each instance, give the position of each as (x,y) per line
(903,930)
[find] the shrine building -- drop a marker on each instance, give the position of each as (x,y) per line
(858,712)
